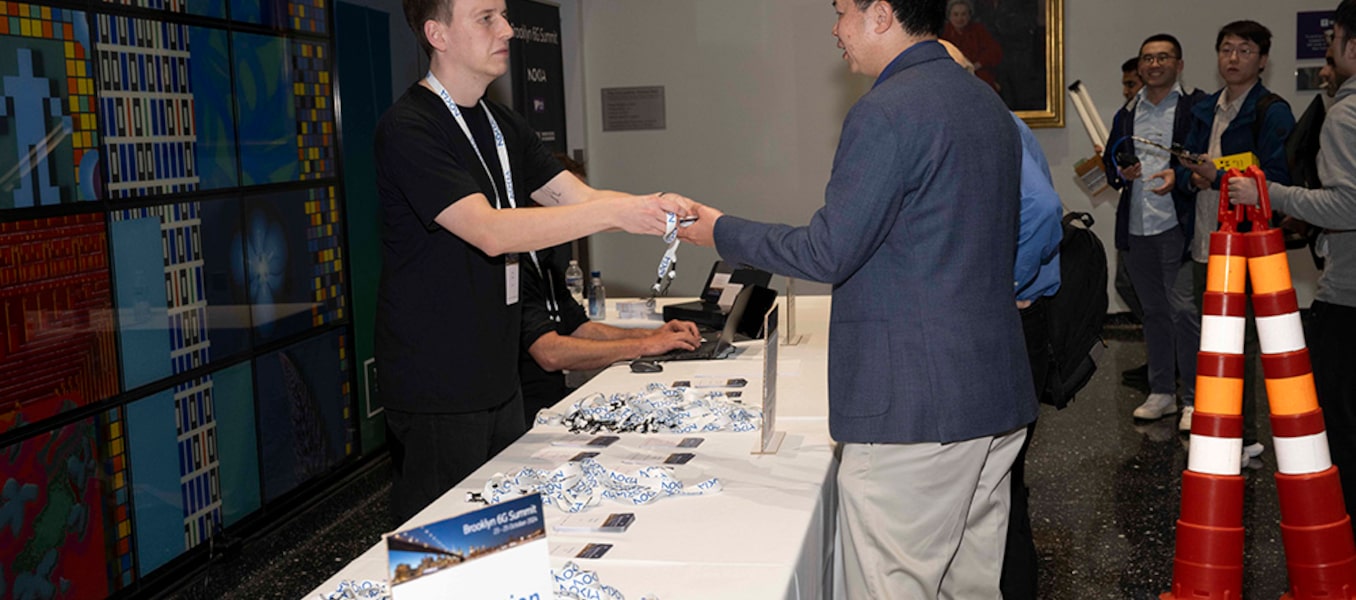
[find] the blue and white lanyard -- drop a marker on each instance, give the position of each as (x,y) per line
(578,485)
(668,264)
(574,583)
(501,149)
(659,409)
(359,590)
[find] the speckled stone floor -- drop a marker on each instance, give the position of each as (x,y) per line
(1105,493)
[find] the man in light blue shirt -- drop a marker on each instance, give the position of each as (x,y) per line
(1154,221)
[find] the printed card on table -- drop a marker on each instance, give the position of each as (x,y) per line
(496,552)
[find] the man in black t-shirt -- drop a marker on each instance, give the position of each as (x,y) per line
(557,335)
(448,313)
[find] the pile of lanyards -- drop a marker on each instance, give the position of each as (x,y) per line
(659,409)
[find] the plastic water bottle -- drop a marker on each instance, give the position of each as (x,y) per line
(574,281)
(597,297)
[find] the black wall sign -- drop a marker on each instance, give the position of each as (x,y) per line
(537,70)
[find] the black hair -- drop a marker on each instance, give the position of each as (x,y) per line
(1252,31)
(919,17)
(1346,17)
(1162,37)
(1130,66)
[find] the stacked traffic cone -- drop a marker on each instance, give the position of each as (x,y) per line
(1209,557)
(1320,553)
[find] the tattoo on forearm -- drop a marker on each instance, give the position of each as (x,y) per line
(555,194)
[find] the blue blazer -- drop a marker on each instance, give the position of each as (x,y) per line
(918,235)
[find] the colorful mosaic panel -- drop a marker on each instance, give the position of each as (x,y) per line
(48,131)
(315,117)
(206,8)
(57,346)
(198,464)
(305,423)
(294,278)
(117,519)
(52,539)
(307,15)
(146,106)
(162,315)
(322,240)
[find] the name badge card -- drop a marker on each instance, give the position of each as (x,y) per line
(497,552)
(511,279)
(769,439)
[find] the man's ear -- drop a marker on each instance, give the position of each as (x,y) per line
(882,16)
(434,33)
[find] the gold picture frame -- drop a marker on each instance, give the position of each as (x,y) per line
(1018,47)
(1052,115)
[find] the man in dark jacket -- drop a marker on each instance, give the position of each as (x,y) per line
(1153,219)
(1243,117)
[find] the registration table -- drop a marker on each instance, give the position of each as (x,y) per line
(770,532)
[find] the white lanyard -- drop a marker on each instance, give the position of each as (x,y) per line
(500,148)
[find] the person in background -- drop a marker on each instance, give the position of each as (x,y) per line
(1035,278)
(918,235)
(1242,117)
(452,171)
(1136,377)
(1332,316)
(973,39)
(1153,220)
(1130,81)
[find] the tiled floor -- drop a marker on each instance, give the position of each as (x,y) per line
(1104,494)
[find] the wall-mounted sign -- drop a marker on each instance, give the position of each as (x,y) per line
(633,108)
(1311,34)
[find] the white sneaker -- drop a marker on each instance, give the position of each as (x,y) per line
(1156,406)
(1252,451)
(1185,423)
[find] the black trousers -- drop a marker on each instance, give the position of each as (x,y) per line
(1331,335)
(430,453)
(1020,561)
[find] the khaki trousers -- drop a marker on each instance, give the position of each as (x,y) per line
(925,521)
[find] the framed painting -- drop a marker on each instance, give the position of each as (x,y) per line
(1018,49)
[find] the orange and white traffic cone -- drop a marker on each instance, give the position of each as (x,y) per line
(1208,561)
(1319,549)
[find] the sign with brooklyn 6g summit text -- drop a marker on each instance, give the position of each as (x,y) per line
(538,70)
(494,553)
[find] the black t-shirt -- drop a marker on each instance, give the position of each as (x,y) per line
(445,340)
(542,388)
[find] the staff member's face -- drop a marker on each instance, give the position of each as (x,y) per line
(1240,60)
(477,37)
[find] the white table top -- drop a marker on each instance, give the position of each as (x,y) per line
(767,534)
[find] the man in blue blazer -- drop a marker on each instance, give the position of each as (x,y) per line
(929,384)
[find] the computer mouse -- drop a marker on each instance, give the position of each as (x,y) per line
(641,365)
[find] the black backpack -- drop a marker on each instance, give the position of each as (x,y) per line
(1076,311)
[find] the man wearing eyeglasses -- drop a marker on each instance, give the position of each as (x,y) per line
(1242,117)
(1153,220)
